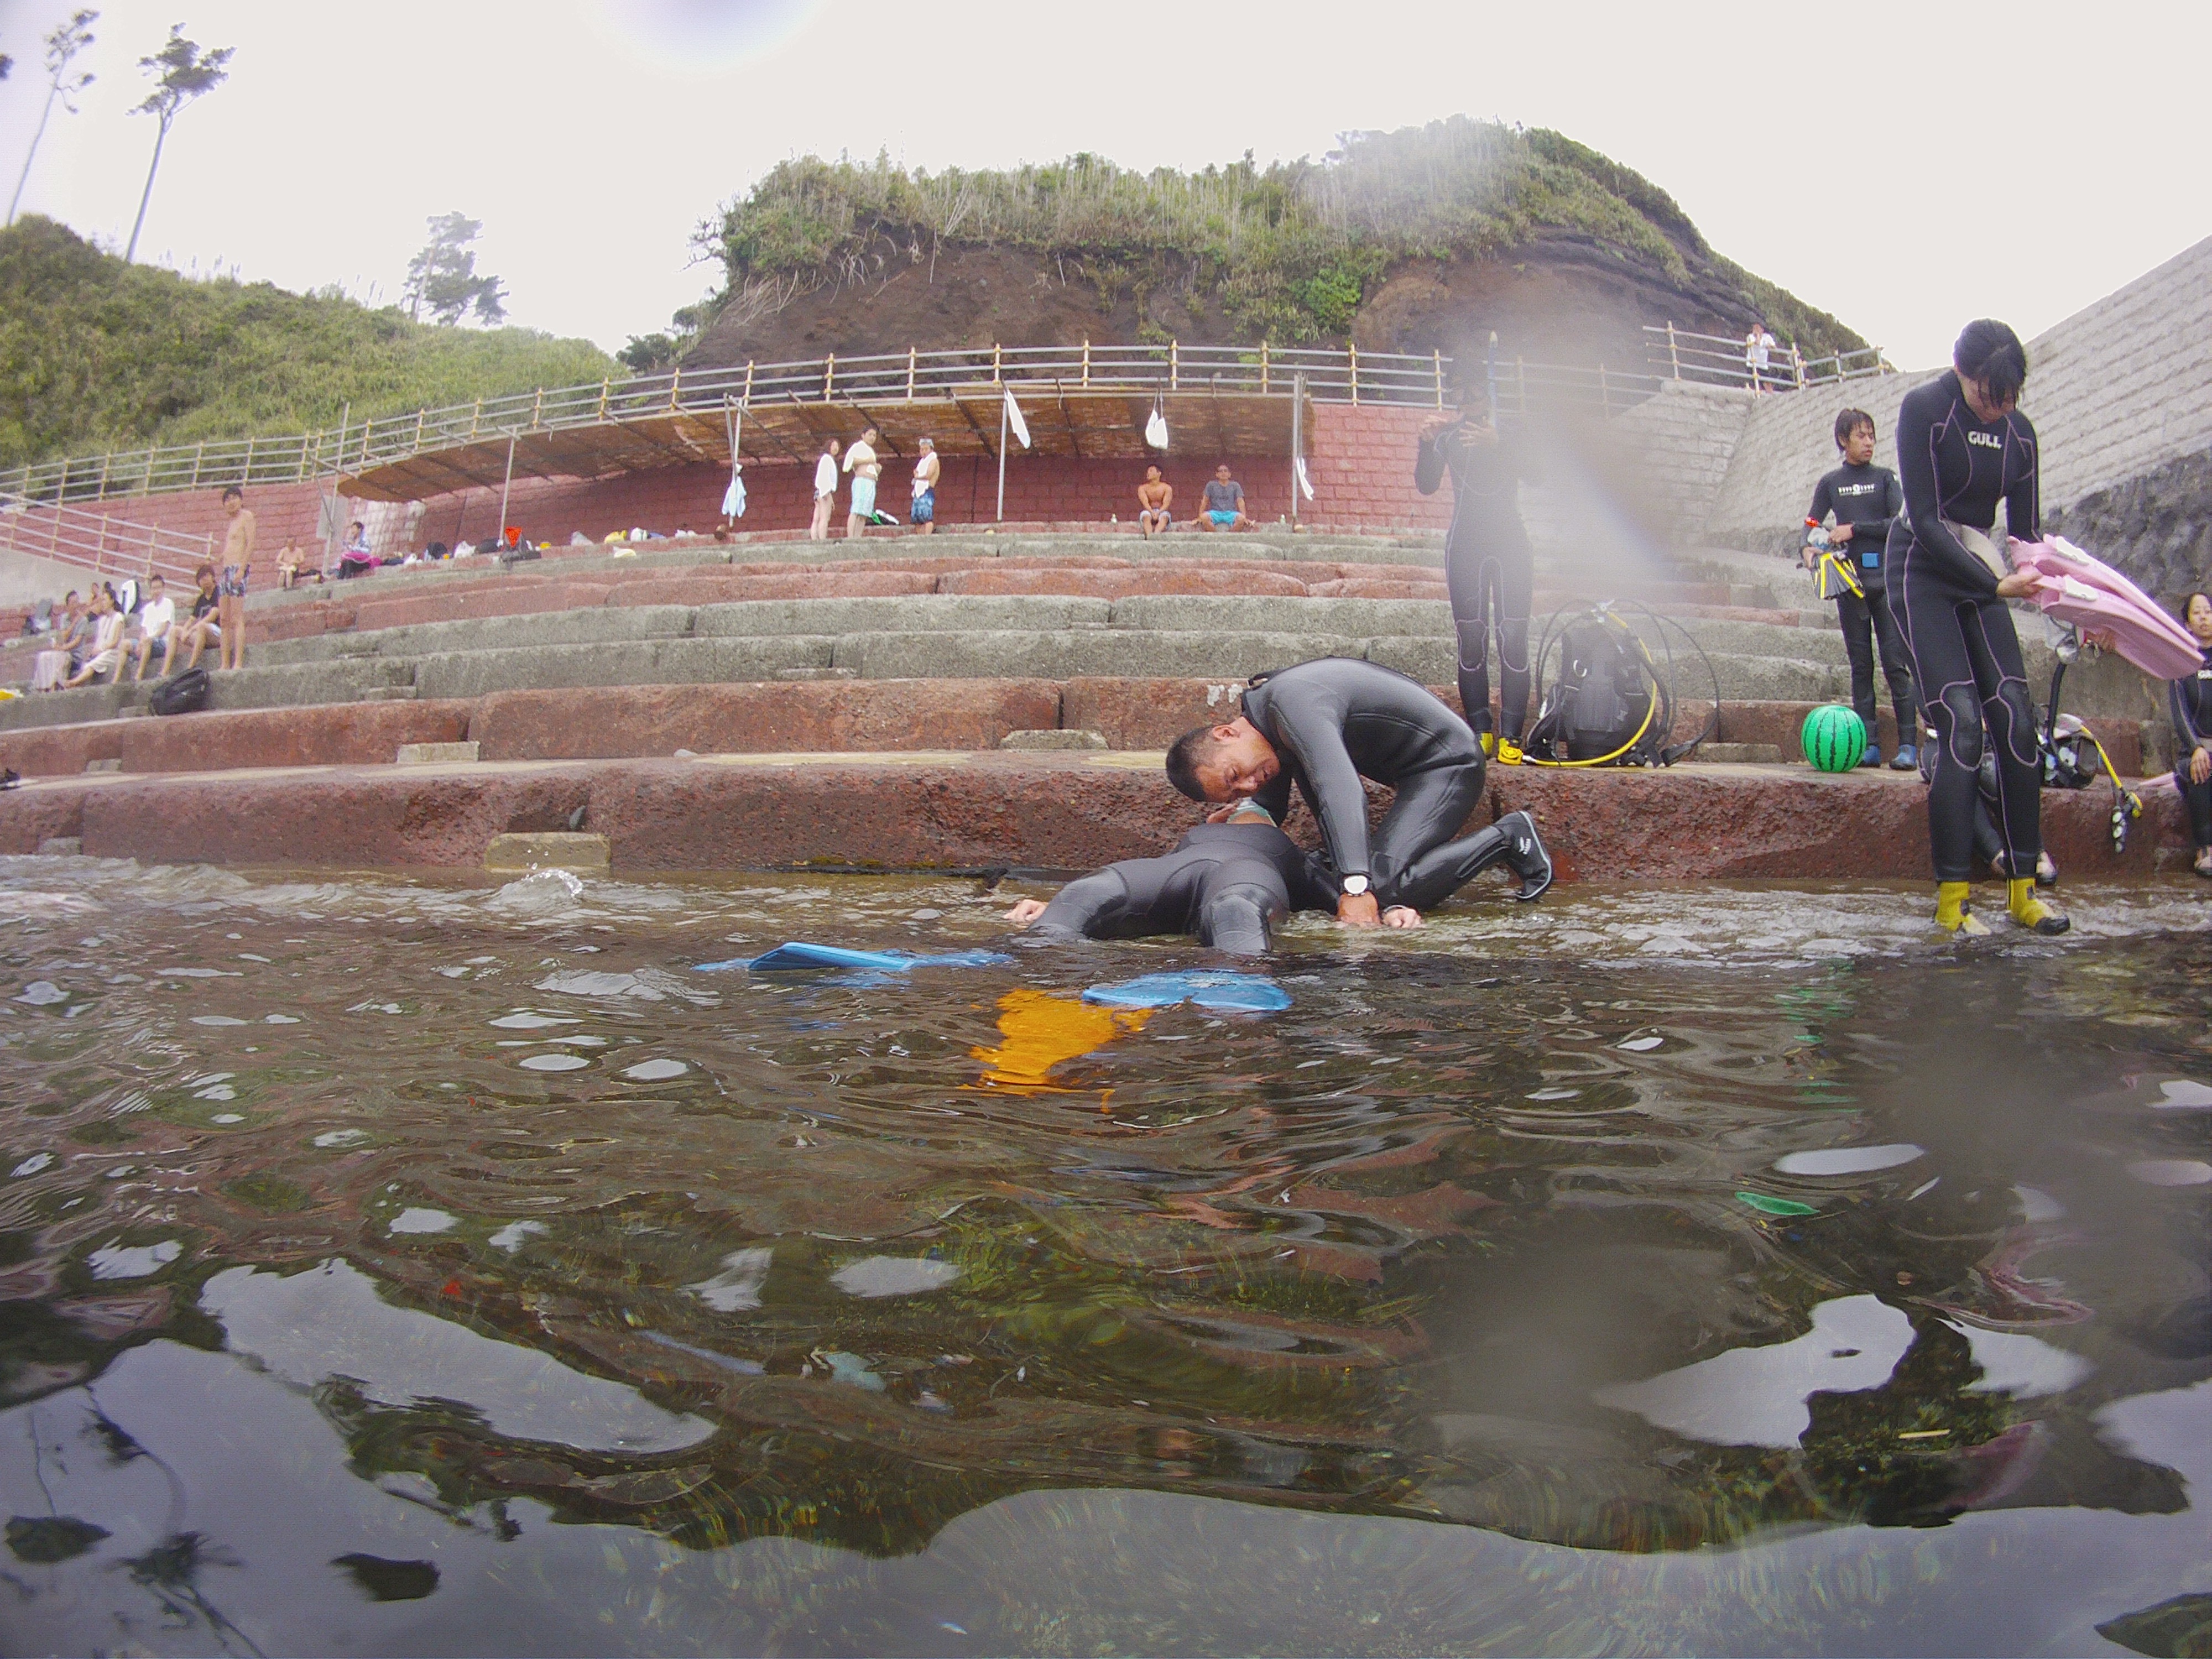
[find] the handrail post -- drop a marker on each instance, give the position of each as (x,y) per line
(829,376)
(476,419)
(1175,363)
(998,352)
(1438,352)
(747,400)
(1352,352)
(675,389)
(100,554)
(197,454)
(604,384)
(909,374)
(1263,383)
(537,410)
(1086,360)
(1797,365)
(247,477)
(104,460)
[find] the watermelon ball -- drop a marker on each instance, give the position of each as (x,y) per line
(1833,738)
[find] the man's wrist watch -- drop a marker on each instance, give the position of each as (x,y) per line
(1354,886)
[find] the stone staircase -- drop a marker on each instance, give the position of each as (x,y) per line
(1027,607)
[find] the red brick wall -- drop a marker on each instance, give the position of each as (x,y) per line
(1361,464)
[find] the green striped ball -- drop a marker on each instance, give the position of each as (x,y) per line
(1834,738)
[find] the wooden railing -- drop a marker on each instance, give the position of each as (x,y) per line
(1714,360)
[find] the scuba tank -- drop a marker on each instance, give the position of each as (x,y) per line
(1610,704)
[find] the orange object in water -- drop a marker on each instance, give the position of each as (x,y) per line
(1038,1029)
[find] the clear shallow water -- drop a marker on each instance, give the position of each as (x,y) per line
(429,1266)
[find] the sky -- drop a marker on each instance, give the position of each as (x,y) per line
(1906,167)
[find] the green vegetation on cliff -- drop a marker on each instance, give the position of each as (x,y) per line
(1289,252)
(97,354)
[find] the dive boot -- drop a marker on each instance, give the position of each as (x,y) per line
(1509,752)
(2031,912)
(1525,855)
(1489,741)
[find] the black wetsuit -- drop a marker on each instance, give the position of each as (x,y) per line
(1338,719)
(1869,499)
(1224,883)
(1487,563)
(2191,703)
(1965,652)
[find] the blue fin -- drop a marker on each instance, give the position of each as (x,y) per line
(797,954)
(1236,993)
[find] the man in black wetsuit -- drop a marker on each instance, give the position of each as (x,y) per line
(1488,565)
(1962,447)
(1866,500)
(1225,883)
(1325,725)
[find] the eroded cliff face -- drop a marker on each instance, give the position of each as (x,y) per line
(2157,526)
(1561,298)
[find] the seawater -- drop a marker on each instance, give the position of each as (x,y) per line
(432,1265)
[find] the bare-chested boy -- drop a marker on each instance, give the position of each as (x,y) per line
(1155,496)
(237,566)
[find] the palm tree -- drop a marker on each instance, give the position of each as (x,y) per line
(181,72)
(64,43)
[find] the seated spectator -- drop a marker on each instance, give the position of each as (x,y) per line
(1155,500)
(354,559)
(1225,503)
(290,564)
(156,618)
(104,649)
(50,668)
(201,629)
(41,619)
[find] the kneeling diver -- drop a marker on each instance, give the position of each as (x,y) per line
(1227,883)
(1323,726)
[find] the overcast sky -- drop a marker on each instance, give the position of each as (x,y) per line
(1905,166)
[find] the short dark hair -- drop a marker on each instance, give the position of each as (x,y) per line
(1193,750)
(1989,351)
(157,577)
(1850,422)
(228,490)
(2187,599)
(205,569)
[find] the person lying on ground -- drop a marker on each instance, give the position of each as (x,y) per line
(1227,885)
(1325,725)
(1155,502)
(1225,503)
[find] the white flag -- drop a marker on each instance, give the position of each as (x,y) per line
(1305,484)
(1021,427)
(1156,428)
(733,498)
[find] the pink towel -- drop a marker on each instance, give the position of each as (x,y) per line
(2076,587)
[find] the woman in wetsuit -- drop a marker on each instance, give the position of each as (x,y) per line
(1488,566)
(2192,703)
(1963,447)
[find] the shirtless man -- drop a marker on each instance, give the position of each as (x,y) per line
(1155,496)
(860,461)
(926,469)
(237,567)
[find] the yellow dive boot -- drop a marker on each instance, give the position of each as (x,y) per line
(2031,912)
(1951,913)
(1509,752)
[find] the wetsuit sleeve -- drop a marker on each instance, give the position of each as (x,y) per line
(1314,738)
(1824,500)
(1893,504)
(1430,465)
(2184,723)
(2024,495)
(1088,908)
(1916,465)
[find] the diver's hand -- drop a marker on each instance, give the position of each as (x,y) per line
(2103,638)
(1025,912)
(1222,814)
(1401,916)
(1842,532)
(2020,585)
(2200,766)
(1435,427)
(1358,910)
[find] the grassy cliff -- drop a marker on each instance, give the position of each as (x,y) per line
(97,354)
(1291,252)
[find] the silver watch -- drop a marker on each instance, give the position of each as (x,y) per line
(1354,886)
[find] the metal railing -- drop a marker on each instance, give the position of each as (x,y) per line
(1714,360)
(1350,376)
(101,542)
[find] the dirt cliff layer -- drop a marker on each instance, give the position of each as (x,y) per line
(1561,297)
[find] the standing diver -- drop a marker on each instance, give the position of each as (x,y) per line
(1325,724)
(1227,883)
(1865,500)
(1962,446)
(2192,703)
(1488,562)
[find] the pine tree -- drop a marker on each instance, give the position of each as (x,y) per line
(67,41)
(442,278)
(181,73)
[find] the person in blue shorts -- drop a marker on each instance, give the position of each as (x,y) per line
(1223,508)
(926,469)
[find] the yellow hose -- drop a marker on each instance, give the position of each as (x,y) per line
(1650,707)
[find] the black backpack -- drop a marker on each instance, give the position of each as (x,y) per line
(180,693)
(1601,700)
